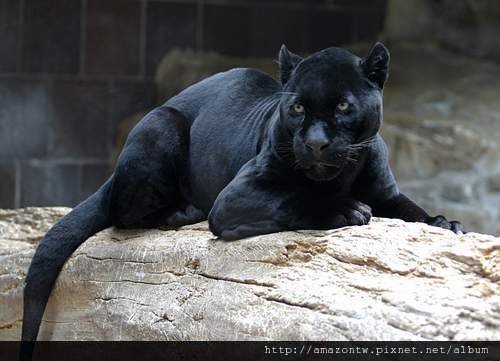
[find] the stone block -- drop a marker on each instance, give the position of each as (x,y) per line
(113,37)
(8,177)
(9,35)
(47,183)
(169,25)
(24,118)
(80,121)
(51,36)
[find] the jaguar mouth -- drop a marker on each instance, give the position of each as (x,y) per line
(322,171)
(327,165)
(320,167)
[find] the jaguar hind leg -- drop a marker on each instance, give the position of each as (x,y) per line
(146,191)
(188,215)
(166,218)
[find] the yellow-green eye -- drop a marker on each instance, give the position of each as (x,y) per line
(343,106)
(298,108)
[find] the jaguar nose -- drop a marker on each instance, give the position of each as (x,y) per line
(316,139)
(317,146)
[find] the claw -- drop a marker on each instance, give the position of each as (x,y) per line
(442,222)
(353,213)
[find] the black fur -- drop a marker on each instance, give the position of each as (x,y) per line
(252,155)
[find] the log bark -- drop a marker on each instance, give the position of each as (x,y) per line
(389,280)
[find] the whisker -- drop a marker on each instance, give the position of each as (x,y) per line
(368,141)
(263,106)
(362,145)
(358,148)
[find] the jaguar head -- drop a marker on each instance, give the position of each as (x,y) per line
(331,106)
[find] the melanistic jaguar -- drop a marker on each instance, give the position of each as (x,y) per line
(253,156)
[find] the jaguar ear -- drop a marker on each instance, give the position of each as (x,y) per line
(287,61)
(376,64)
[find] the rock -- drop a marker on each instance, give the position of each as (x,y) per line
(181,68)
(387,280)
(442,123)
(409,19)
(493,183)
(470,27)
(28,224)
(424,149)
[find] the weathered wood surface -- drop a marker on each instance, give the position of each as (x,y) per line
(389,280)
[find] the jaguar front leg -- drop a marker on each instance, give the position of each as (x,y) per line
(253,203)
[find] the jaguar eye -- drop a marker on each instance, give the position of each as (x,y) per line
(343,106)
(298,108)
